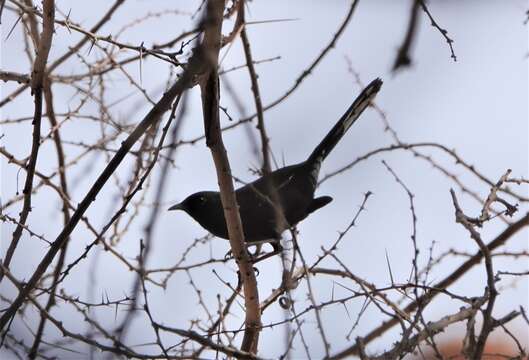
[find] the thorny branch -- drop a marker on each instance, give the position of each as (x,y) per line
(210,105)
(42,301)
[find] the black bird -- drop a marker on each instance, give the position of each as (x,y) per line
(282,198)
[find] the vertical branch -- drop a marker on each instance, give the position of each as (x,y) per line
(491,292)
(33,28)
(265,148)
(311,297)
(403,55)
(39,68)
(37,78)
(266,168)
(209,85)
(48,97)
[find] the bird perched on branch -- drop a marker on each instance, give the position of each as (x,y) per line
(278,200)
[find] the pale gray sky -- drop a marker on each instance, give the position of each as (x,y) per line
(477,105)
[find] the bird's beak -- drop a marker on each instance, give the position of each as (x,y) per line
(176,207)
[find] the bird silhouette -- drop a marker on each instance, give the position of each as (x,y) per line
(282,198)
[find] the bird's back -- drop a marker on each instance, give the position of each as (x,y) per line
(287,190)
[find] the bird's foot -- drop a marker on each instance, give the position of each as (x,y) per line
(277,250)
(251,256)
(255,256)
(228,256)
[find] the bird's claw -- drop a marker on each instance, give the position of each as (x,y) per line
(228,255)
(255,257)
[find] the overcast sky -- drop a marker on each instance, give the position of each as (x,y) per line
(477,105)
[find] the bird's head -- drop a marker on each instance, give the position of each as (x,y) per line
(206,208)
(196,202)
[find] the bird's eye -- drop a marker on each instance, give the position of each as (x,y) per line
(202,199)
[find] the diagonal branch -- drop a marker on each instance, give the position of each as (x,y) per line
(500,240)
(187,79)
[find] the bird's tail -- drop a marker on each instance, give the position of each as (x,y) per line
(355,110)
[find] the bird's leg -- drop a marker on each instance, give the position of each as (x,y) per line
(276,244)
(256,252)
(255,258)
(277,250)
(258,244)
(228,255)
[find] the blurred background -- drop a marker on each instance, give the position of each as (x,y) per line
(476,105)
